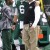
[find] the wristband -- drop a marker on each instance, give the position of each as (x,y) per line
(14,23)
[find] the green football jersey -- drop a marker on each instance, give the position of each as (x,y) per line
(22,8)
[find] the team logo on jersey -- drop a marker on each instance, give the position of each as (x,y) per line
(30,7)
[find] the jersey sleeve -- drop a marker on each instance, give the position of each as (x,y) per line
(16,12)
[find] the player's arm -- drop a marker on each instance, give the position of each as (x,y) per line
(37,15)
(15,19)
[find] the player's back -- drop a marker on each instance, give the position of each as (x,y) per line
(22,8)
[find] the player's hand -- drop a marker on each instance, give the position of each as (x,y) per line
(32,27)
(13,27)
